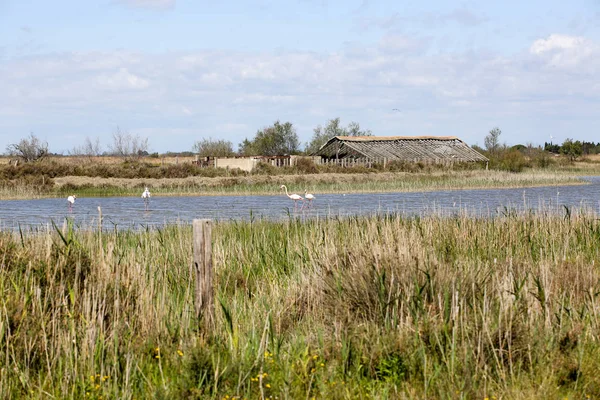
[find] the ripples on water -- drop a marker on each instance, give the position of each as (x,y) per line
(128,212)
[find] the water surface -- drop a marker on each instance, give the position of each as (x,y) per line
(129,212)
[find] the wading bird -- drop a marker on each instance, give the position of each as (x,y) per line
(71,201)
(146,197)
(294,196)
(309,197)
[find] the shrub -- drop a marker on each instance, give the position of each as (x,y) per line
(264,168)
(511,160)
(306,166)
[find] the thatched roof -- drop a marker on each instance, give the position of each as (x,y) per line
(406,148)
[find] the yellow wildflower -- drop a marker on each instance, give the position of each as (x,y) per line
(180,353)
(267,385)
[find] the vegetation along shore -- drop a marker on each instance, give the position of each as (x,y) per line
(433,308)
(57,178)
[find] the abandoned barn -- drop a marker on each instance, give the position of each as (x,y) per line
(368,149)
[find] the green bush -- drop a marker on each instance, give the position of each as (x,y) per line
(510,160)
(264,168)
(306,166)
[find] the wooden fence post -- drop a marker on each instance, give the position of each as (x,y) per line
(204,302)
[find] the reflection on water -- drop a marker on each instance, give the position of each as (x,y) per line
(128,212)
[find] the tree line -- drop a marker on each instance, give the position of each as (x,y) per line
(573,147)
(124,144)
(280,138)
(570,148)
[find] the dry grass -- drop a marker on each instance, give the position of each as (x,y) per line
(382,307)
(110,176)
(323,183)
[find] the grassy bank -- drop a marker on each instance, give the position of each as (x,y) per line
(383,307)
(269,184)
(112,176)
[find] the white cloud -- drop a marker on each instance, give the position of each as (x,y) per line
(558,42)
(150,4)
(260,98)
(463,16)
(232,127)
(202,92)
(565,51)
(401,43)
(122,80)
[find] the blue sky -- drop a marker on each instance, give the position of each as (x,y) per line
(178,71)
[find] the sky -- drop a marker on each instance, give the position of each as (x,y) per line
(177,71)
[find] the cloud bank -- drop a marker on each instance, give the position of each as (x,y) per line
(190,95)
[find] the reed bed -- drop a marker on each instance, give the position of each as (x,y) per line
(381,307)
(319,183)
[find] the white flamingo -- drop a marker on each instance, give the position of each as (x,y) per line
(71,201)
(309,197)
(146,197)
(294,196)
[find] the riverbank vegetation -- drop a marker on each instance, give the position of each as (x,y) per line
(258,184)
(432,307)
(111,176)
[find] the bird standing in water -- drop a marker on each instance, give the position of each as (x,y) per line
(294,196)
(146,197)
(71,201)
(309,197)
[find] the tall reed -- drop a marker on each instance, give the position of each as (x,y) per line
(384,307)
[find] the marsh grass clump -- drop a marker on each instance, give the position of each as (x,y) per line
(382,307)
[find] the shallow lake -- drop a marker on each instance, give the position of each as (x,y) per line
(129,212)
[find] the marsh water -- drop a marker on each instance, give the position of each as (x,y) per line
(129,212)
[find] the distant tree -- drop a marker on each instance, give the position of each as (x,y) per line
(572,149)
(590,147)
(333,128)
(127,145)
(88,149)
(551,147)
(28,149)
(213,148)
(353,129)
(492,140)
(278,139)
(478,148)
(320,137)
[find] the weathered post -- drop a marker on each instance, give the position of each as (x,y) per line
(203,266)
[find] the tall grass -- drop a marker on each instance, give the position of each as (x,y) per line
(383,307)
(320,183)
